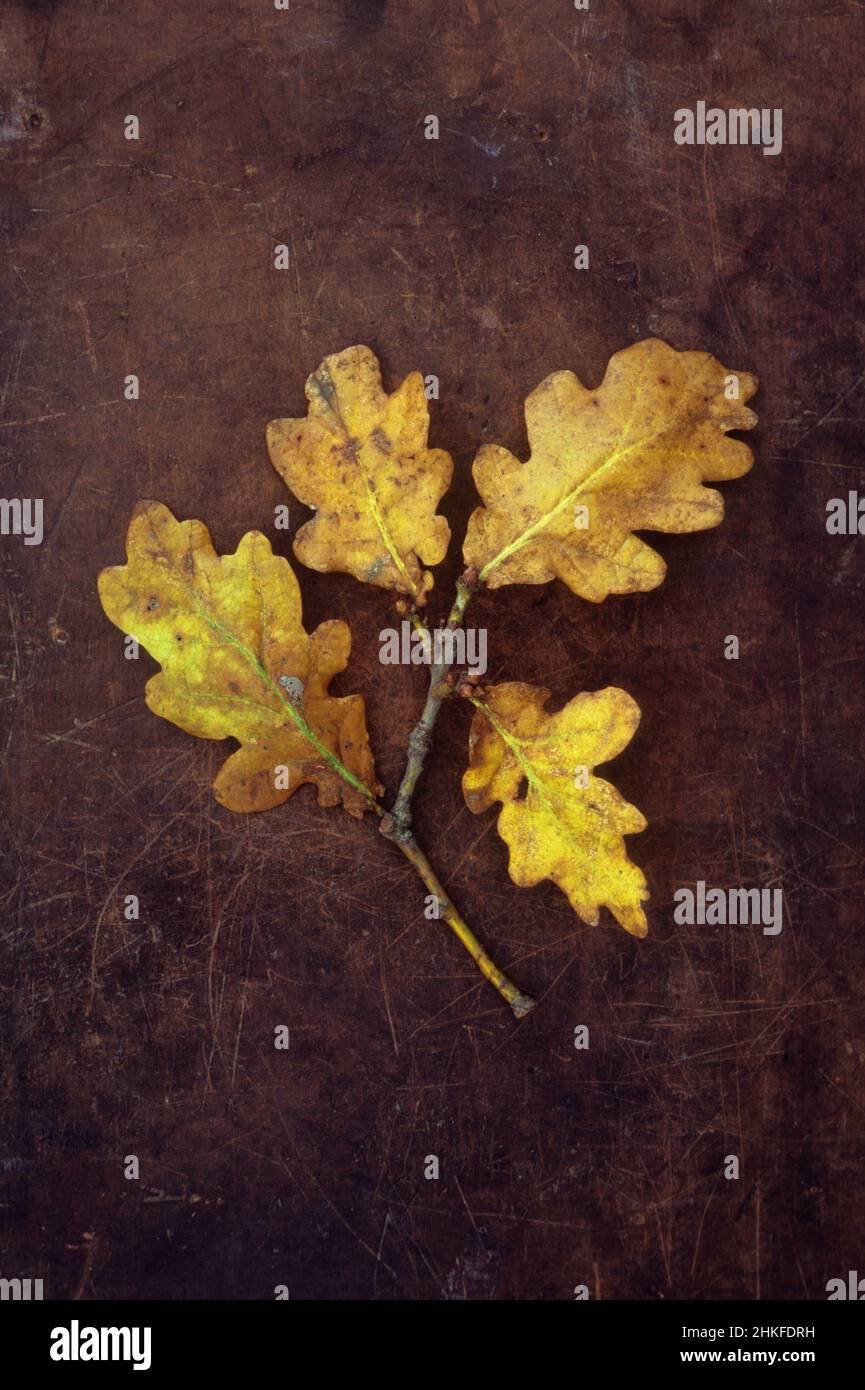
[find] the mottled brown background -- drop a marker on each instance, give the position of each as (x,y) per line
(155,1037)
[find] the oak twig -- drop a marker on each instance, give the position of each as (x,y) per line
(396,825)
(421,734)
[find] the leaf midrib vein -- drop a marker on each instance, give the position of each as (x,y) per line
(529,534)
(535,782)
(201,611)
(373,504)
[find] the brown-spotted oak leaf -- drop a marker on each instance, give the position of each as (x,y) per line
(360,460)
(237,662)
(633,454)
(568,825)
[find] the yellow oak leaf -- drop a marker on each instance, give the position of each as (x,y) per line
(569,824)
(360,459)
(237,662)
(631,455)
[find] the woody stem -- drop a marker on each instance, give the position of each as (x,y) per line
(421,735)
(397,824)
(520,1003)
